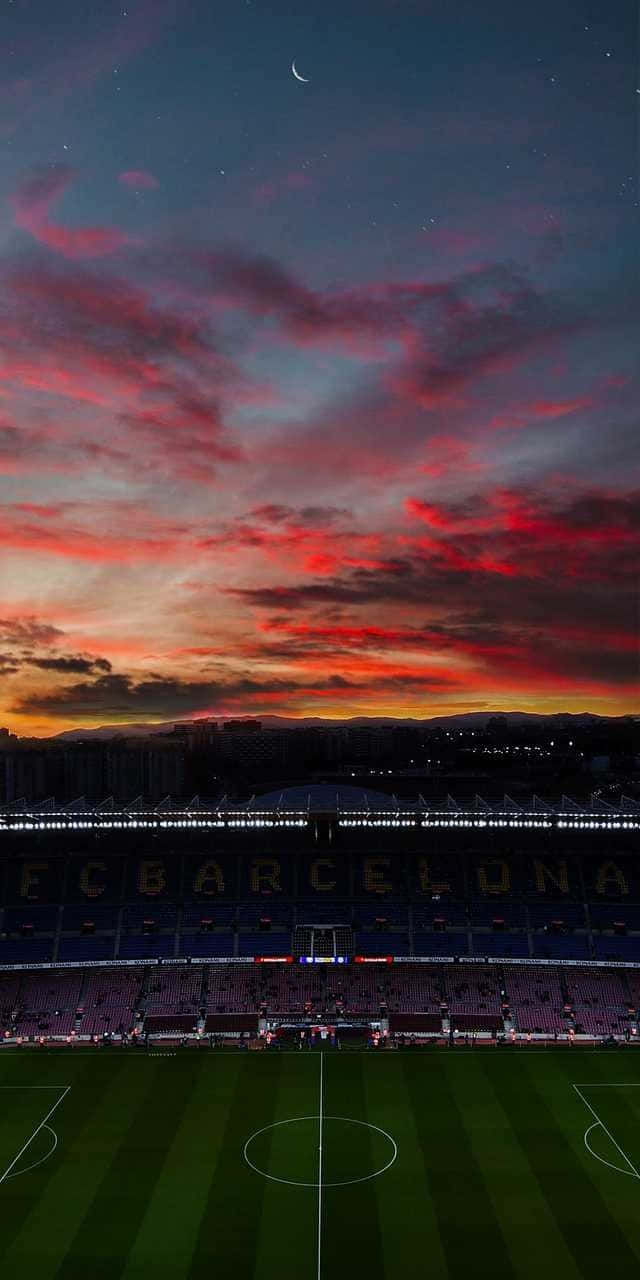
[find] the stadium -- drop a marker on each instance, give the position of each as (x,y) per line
(256,1021)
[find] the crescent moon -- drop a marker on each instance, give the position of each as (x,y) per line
(297,76)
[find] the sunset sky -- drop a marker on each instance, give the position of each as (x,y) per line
(317,398)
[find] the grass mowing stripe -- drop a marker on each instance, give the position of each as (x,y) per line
(226,1240)
(618,1107)
(619,1192)
(58,1207)
(518,1200)
(182,1187)
(456,1179)
(286,1244)
(112,1219)
(19,1196)
(546,1116)
(406,1212)
(351,1243)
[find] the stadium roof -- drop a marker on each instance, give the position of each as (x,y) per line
(296,806)
(323,798)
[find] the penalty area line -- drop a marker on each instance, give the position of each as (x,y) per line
(36,1131)
(598,1121)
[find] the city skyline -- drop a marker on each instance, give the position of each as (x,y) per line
(319,386)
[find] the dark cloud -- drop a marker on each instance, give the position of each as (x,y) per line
(71,664)
(452,333)
(277,513)
(120,695)
(8,664)
(117,694)
(531,588)
(28,630)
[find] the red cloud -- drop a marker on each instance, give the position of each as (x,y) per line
(31,206)
(450,456)
(72,540)
(100,340)
(507,533)
(541,410)
(300,540)
(140,178)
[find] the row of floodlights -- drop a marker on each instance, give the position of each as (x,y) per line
(579,824)
(537,823)
(136,823)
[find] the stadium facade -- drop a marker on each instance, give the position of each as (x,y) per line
(230,906)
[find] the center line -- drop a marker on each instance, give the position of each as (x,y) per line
(320,1118)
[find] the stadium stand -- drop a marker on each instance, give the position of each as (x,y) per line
(536,999)
(109,1000)
(231,988)
(185,902)
(546,1000)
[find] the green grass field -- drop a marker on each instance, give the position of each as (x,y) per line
(488,1173)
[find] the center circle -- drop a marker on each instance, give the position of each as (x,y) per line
(292,1146)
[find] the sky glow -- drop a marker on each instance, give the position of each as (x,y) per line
(317,398)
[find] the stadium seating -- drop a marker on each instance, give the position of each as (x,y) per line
(109,999)
(561,947)
(608,947)
(500,944)
(472,989)
(455,914)
(104,918)
(536,999)
(208,944)
(440,944)
(382,944)
(545,1000)
(174,990)
(40,919)
(138,947)
(265,944)
(99,947)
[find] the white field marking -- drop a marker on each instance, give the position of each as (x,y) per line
(18,1172)
(615,1167)
(632,1171)
(320,1168)
(42,1124)
(295,1182)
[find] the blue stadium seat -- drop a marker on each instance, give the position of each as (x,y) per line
(542,914)
(102,916)
(265,944)
(43,919)
(500,944)
(381,944)
(89,948)
(207,944)
(617,948)
(440,944)
(561,946)
(140,946)
(220,913)
(26,950)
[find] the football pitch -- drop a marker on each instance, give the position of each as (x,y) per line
(313,1166)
